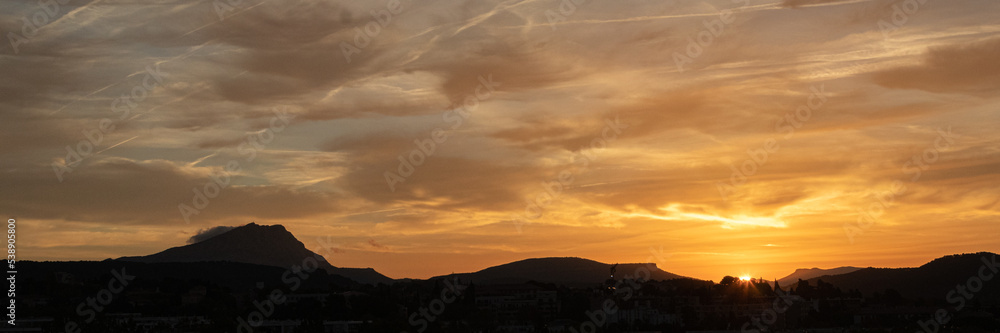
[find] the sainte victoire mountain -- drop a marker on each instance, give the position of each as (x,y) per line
(256,244)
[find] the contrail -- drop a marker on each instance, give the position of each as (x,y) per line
(117,144)
(201,159)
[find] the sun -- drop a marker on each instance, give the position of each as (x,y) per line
(745,278)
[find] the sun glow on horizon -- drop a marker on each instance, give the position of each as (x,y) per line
(584,145)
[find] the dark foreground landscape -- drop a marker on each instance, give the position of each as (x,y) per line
(261,279)
(500,165)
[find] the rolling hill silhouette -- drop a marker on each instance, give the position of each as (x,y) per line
(274,246)
(565,271)
(809,273)
(259,245)
(933,280)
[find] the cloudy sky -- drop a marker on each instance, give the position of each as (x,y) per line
(710,137)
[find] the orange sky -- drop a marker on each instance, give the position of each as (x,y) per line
(710,137)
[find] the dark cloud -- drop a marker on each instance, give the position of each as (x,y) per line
(122,191)
(962,68)
(558,85)
(373,104)
(24,131)
(446,183)
(515,63)
(366,147)
(251,24)
(214,143)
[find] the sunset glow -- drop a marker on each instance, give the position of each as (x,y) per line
(469,134)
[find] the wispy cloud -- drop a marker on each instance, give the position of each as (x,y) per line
(325,172)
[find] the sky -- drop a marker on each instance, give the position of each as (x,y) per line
(425,137)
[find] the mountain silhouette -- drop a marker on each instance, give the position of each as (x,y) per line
(260,245)
(933,280)
(809,273)
(566,271)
